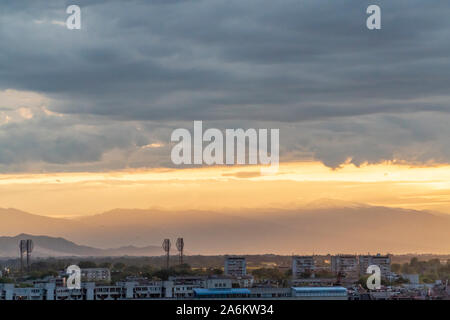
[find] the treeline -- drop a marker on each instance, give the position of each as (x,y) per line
(154,268)
(119,270)
(429,271)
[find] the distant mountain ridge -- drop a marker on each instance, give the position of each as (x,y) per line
(326,227)
(45,246)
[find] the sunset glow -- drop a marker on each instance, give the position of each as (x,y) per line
(296,184)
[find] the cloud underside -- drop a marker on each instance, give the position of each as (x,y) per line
(93,99)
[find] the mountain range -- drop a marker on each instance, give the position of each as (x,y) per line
(45,246)
(330,228)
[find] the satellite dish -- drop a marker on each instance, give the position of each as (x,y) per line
(180,244)
(166,245)
(30,246)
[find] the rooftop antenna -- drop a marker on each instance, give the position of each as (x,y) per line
(180,247)
(166,247)
(30,247)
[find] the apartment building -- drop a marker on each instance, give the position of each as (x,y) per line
(383,261)
(347,265)
(235,266)
(302,266)
(96,274)
(141,290)
(175,287)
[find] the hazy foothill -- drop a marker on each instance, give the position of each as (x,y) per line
(335,228)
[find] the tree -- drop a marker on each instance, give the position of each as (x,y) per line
(363,281)
(269,274)
(132,269)
(162,274)
(395,267)
(414,262)
(215,271)
(105,265)
(119,266)
(87,264)
(6,280)
(305,275)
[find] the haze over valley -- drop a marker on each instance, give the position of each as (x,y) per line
(331,227)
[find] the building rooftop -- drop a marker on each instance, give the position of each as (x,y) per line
(319,289)
(207,292)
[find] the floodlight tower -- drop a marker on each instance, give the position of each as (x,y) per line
(30,247)
(180,247)
(166,247)
(22,249)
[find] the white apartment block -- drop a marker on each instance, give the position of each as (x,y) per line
(235,266)
(244,282)
(96,274)
(384,262)
(175,288)
(302,265)
(346,264)
(183,287)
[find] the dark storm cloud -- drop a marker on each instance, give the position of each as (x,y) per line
(308,67)
(62,141)
(258,60)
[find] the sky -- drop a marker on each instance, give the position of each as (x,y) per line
(359,110)
(221,188)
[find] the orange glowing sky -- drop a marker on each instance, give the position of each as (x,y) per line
(295,185)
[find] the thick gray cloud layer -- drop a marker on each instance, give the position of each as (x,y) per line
(311,68)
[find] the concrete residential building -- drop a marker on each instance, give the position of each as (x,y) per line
(384,262)
(412,278)
(270,293)
(243,282)
(217,288)
(302,265)
(183,286)
(313,282)
(174,288)
(235,266)
(142,290)
(346,264)
(96,274)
